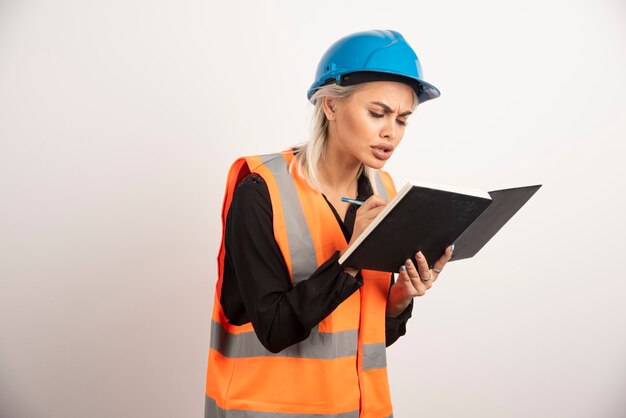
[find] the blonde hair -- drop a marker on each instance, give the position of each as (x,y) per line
(311,153)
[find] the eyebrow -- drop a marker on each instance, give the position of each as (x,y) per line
(388,109)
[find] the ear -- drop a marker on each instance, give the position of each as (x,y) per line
(329,106)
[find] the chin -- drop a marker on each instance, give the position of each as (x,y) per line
(374,163)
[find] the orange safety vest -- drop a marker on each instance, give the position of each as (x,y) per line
(339,371)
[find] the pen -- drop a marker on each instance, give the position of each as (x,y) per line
(353,201)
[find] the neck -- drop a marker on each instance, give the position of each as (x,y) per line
(339,173)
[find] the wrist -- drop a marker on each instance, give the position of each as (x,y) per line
(394,310)
(396,306)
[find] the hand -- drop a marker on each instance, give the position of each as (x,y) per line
(364,216)
(414,281)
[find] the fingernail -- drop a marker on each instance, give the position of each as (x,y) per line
(409,262)
(403,268)
(419,255)
(452,249)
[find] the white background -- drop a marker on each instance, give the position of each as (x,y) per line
(119,120)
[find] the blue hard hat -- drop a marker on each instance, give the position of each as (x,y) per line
(375,55)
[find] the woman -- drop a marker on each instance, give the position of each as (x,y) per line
(294,333)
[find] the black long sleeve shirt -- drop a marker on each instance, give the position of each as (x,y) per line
(257,287)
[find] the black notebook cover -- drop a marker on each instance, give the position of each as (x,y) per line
(429,220)
(505,203)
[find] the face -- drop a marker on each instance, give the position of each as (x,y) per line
(368,126)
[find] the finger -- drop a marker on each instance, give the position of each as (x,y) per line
(419,286)
(403,275)
(370,215)
(441,263)
(411,269)
(372,202)
(422,267)
(416,289)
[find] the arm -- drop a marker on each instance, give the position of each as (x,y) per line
(281,314)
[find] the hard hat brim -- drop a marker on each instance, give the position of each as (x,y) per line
(424,91)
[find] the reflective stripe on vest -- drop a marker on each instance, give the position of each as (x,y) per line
(212,410)
(301,246)
(380,186)
(319,345)
(340,369)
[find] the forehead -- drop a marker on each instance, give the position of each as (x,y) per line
(392,93)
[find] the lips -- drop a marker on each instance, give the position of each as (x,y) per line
(382,152)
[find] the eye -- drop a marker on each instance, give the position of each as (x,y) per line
(376,115)
(402,122)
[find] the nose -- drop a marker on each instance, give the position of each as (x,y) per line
(390,129)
